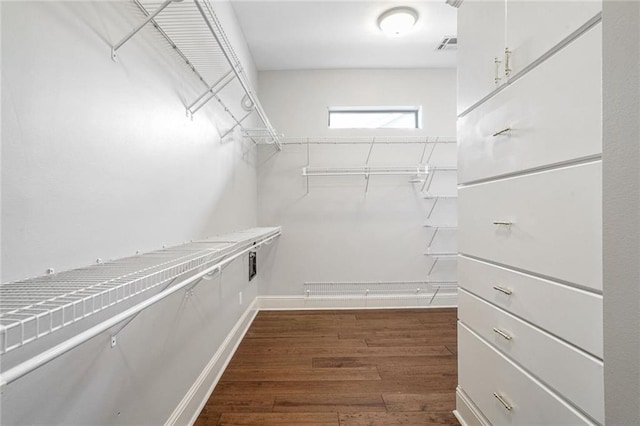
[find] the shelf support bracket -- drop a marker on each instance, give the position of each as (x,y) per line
(238,72)
(212,91)
(238,123)
(428,181)
(139,27)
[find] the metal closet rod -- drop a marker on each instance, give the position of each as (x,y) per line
(347,140)
(49,355)
(419,170)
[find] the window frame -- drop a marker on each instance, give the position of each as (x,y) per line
(416,111)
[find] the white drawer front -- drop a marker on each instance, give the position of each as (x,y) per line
(483,371)
(538,301)
(556,223)
(553,113)
(573,374)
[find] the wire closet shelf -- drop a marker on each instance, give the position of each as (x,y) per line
(33,308)
(194,31)
(427,290)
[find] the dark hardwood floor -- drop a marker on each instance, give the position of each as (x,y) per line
(363,367)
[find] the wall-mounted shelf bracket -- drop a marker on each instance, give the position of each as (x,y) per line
(212,92)
(202,43)
(438,257)
(133,32)
(433,169)
(238,123)
(437,198)
(436,230)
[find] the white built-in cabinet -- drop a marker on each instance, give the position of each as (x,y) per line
(502,38)
(530,329)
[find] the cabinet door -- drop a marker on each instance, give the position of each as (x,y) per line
(534,27)
(548,124)
(481,38)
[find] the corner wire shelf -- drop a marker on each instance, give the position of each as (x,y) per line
(33,308)
(379,290)
(194,31)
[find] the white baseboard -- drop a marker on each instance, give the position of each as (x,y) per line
(194,401)
(267,303)
(466,411)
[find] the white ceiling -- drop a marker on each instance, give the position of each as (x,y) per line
(333,34)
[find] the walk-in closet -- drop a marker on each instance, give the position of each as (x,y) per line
(320,212)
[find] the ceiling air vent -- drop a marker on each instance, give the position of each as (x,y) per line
(448,43)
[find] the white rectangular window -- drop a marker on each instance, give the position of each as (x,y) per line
(381,117)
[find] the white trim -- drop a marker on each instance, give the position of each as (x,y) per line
(303,303)
(187,411)
(466,411)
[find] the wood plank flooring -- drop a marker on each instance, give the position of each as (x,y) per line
(347,368)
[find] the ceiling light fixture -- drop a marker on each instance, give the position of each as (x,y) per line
(397,21)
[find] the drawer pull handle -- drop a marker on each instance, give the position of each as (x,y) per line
(502,132)
(496,78)
(507,58)
(503,290)
(503,402)
(502,333)
(502,222)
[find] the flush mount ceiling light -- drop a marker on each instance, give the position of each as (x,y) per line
(397,21)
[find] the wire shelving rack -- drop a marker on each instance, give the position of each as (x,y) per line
(194,31)
(36,307)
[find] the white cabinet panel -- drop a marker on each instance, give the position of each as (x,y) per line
(483,371)
(534,27)
(570,372)
(553,113)
(481,29)
(572,314)
(555,217)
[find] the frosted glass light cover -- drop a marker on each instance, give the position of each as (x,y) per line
(397,21)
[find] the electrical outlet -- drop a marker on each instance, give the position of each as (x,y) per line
(240,297)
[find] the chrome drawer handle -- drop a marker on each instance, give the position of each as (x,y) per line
(503,402)
(502,222)
(502,132)
(507,58)
(503,290)
(502,333)
(496,78)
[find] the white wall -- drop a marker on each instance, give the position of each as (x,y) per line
(621,207)
(336,232)
(98,161)
(98,157)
